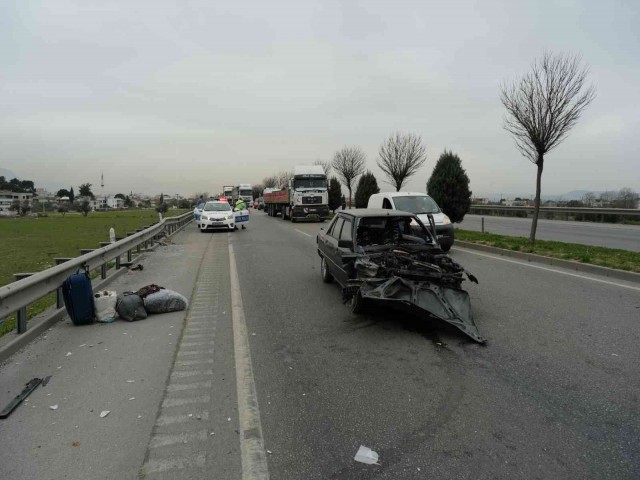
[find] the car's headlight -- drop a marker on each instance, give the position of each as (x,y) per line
(204,217)
(228,217)
(446,220)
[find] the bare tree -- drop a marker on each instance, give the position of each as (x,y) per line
(589,199)
(401,155)
(283,178)
(627,198)
(270,182)
(542,107)
(326,166)
(348,162)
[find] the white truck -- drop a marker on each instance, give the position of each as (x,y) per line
(243,191)
(305,196)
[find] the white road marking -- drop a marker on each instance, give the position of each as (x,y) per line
(539,267)
(181,402)
(254,457)
(304,233)
(179,387)
(182,418)
(164,440)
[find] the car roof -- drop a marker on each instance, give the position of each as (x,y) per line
(375,212)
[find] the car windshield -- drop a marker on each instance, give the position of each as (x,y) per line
(217,207)
(417,204)
(387,230)
(310,182)
(245,193)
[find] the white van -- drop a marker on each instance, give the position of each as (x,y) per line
(421,204)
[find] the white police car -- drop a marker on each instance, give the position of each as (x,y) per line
(215,215)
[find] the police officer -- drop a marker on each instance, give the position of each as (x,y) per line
(240,206)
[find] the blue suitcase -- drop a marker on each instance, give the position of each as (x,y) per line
(78,298)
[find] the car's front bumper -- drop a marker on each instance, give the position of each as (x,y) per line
(216,223)
(310,211)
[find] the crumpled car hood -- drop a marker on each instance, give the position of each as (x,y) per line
(418,280)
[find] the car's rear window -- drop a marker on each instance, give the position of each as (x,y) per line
(417,204)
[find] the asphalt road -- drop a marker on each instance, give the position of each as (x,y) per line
(626,237)
(554,394)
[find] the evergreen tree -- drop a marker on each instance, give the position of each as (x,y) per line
(72,195)
(367,186)
(335,194)
(162,207)
(449,186)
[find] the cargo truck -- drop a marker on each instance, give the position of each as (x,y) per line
(305,197)
(227,192)
(243,191)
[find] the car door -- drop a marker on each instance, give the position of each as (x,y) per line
(329,246)
(345,255)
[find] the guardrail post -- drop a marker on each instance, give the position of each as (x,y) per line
(103,267)
(482,220)
(21,315)
(59,296)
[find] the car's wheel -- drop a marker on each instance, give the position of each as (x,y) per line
(446,248)
(203,230)
(284,213)
(357,303)
(324,271)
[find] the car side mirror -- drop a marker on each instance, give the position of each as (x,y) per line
(345,243)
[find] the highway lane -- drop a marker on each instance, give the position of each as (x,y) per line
(626,237)
(554,394)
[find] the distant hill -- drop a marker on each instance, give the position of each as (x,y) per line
(8,174)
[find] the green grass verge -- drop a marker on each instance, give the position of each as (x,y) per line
(604,257)
(30,244)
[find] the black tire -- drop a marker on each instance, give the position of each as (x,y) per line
(324,271)
(446,248)
(284,216)
(357,304)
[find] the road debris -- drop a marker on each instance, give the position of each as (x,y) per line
(68,354)
(366,455)
(53,407)
(104,413)
(132,398)
(26,391)
(130,381)
(75,443)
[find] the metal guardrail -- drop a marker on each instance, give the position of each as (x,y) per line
(565,210)
(28,288)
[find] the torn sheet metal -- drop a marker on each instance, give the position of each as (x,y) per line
(418,281)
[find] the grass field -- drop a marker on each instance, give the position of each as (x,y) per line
(30,244)
(604,257)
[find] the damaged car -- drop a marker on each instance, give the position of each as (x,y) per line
(390,257)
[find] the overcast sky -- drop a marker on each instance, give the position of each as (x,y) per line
(186,96)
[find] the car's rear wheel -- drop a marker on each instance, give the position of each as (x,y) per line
(324,271)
